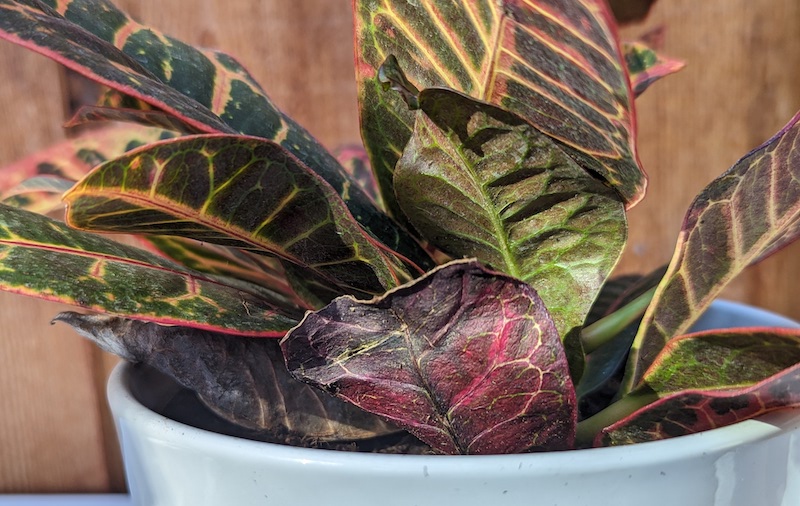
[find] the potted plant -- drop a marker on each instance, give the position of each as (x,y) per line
(455,287)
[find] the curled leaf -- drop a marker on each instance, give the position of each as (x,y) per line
(478,181)
(646,65)
(236,191)
(243,380)
(556,64)
(466,359)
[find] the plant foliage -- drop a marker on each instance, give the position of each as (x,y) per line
(452,281)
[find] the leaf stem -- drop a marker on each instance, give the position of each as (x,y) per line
(589,429)
(604,329)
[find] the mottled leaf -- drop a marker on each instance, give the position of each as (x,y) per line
(555,63)
(743,216)
(630,11)
(466,359)
(236,191)
(477,181)
(73,158)
(43,30)
(264,272)
(243,380)
(102,275)
(713,379)
(646,66)
(208,90)
(39,194)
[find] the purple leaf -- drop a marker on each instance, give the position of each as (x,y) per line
(466,359)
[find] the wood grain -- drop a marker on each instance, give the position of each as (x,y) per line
(739,88)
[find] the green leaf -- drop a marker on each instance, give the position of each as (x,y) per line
(105,276)
(241,379)
(236,191)
(259,270)
(477,181)
(43,30)
(743,216)
(556,64)
(464,358)
(208,90)
(713,379)
(74,158)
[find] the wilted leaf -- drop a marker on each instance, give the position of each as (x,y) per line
(477,181)
(743,216)
(713,379)
(105,276)
(556,64)
(466,359)
(236,191)
(243,380)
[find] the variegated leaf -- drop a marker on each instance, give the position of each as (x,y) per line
(713,379)
(646,65)
(478,181)
(555,63)
(102,275)
(466,359)
(749,212)
(208,90)
(74,158)
(236,191)
(264,272)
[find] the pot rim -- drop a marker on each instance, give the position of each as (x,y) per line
(129,411)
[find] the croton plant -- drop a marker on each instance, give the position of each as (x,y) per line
(451,281)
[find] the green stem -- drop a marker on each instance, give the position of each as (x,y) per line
(606,328)
(588,429)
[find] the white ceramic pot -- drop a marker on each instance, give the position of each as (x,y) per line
(753,463)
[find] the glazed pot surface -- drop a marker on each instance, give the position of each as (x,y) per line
(756,462)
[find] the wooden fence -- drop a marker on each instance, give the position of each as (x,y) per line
(739,88)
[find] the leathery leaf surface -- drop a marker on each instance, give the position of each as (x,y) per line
(477,181)
(713,379)
(207,90)
(105,276)
(243,380)
(556,63)
(746,214)
(236,191)
(466,359)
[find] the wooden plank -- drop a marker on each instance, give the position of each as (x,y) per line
(49,416)
(739,88)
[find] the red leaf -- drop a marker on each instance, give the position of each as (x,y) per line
(466,359)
